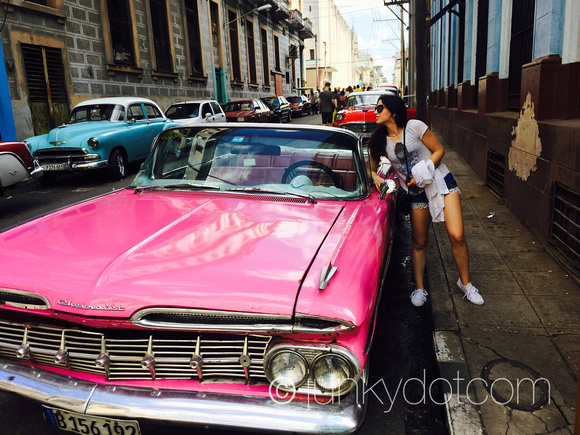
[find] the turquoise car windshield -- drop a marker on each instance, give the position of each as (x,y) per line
(97,112)
(315,163)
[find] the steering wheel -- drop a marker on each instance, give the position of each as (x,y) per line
(291,171)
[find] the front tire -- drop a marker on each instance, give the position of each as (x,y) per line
(117,165)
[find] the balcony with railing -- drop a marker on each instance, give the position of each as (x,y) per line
(295,20)
(307,30)
(282,10)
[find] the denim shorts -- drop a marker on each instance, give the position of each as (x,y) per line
(421,201)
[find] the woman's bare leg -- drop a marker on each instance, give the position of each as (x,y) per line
(420,220)
(454,227)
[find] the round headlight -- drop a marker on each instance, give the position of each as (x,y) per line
(288,368)
(93,143)
(332,373)
(338,117)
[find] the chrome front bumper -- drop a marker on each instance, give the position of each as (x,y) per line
(89,165)
(173,407)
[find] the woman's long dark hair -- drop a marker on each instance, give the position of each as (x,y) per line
(396,106)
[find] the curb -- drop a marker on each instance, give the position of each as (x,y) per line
(463,416)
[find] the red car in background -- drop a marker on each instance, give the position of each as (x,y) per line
(359,114)
(252,110)
(299,105)
(16,165)
(411,103)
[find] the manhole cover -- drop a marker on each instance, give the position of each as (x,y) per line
(514,384)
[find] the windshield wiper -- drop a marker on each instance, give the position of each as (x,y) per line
(177,186)
(310,198)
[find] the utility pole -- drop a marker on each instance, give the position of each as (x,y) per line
(325,73)
(402,52)
(316,55)
(422,51)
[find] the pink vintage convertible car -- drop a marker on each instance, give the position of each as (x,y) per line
(234,283)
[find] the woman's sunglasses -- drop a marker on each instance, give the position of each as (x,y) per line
(379,108)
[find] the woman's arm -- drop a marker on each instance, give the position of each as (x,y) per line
(376,178)
(437,151)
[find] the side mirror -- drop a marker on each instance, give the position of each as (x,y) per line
(388,186)
(207,115)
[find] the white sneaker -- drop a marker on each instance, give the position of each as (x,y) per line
(471,293)
(418,297)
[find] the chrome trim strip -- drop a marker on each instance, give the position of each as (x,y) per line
(271,323)
(341,325)
(184,407)
(28,294)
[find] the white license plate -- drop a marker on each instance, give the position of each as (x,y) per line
(55,166)
(89,424)
(364,134)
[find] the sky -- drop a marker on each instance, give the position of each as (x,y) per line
(377,28)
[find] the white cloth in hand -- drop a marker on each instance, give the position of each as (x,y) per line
(384,166)
(430,178)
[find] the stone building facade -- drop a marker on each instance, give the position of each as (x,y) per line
(505,92)
(60,52)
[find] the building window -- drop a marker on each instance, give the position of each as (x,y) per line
(277,53)
(194,38)
(521,44)
(265,63)
(481,46)
(234,46)
(47,92)
(121,31)
(566,225)
(251,51)
(312,54)
(160,28)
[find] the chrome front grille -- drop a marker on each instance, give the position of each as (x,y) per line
(137,354)
(61,155)
(362,128)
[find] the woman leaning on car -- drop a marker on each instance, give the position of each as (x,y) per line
(433,192)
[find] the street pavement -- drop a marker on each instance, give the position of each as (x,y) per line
(509,366)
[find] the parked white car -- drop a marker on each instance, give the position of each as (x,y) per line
(195,112)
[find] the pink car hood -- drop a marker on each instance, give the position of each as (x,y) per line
(167,249)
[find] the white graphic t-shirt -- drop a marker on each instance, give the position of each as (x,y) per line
(416,151)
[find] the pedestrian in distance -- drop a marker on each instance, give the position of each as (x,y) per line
(341,101)
(326,105)
(415,154)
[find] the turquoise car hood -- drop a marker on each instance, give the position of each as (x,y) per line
(75,135)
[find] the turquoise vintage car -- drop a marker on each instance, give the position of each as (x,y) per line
(101,133)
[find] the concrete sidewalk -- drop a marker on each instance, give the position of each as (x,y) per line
(528,328)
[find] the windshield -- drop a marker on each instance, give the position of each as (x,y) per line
(181,111)
(236,106)
(363,100)
(271,102)
(97,112)
(295,99)
(301,162)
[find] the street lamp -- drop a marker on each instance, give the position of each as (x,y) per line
(258,9)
